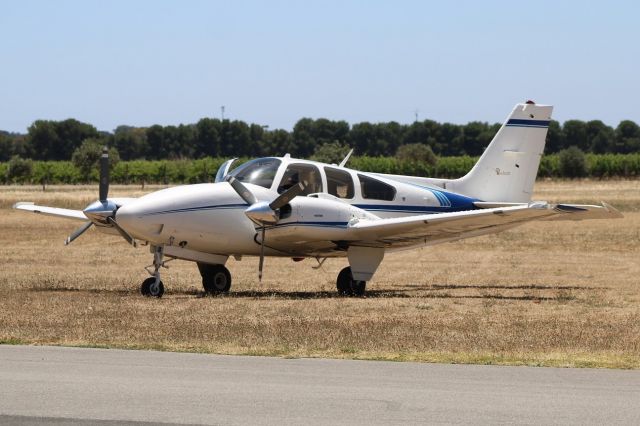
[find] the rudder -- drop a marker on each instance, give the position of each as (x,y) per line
(506,171)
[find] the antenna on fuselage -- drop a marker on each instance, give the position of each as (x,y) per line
(344,161)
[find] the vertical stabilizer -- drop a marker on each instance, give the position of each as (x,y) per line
(507,169)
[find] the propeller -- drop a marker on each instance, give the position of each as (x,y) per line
(104,175)
(75,234)
(121,231)
(103,210)
(263,213)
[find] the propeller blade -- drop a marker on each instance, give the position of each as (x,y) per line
(284,198)
(75,234)
(122,232)
(104,175)
(261,263)
(242,191)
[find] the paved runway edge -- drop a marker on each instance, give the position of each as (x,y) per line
(40,384)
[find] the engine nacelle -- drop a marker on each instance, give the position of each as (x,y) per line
(316,217)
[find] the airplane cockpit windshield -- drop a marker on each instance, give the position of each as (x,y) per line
(260,171)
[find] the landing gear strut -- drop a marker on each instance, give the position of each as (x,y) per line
(215,278)
(347,286)
(152,286)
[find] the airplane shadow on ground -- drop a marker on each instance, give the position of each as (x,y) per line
(408,291)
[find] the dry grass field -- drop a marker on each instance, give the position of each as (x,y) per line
(557,294)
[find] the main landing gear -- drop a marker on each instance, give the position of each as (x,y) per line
(347,286)
(215,278)
(152,286)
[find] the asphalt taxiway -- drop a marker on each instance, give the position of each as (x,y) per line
(55,385)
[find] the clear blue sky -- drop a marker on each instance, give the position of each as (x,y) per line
(272,62)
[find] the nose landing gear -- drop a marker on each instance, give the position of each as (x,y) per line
(153,286)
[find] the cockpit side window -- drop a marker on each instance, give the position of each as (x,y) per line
(376,190)
(339,183)
(261,171)
(308,174)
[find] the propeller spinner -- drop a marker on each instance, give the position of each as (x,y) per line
(102,211)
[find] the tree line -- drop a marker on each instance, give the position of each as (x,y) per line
(566,164)
(211,137)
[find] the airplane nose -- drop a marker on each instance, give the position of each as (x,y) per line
(130,219)
(134,218)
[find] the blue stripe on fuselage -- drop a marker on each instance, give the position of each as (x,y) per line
(203,208)
(412,209)
(314,223)
(449,202)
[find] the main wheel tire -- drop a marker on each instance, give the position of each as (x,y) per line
(358,288)
(149,289)
(215,278)
(343,283)
(347,286)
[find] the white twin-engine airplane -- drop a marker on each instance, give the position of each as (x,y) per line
(285,207)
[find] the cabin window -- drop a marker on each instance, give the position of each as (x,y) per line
(308,174)
(339,183)
(260,172)
(376,190)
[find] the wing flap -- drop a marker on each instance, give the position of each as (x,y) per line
(444,225)
(51,211)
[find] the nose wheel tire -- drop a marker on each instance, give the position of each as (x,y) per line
(347,286)
(150,289)
(215,278)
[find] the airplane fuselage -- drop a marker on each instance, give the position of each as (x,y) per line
(209,218)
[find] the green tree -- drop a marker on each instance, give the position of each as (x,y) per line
(155,141)
(555,138)
(627,137)
(19,170)
(56,140)
(417,133)
(87,157)
(303,138)
(416,153)
(207,138)
(600,137)
(376,139)
(309,134)
(276,142)
(451,139)
(6,147)
(573,162)
(575,134)
(131,142)
(330,152)
(476,136)
(237,139)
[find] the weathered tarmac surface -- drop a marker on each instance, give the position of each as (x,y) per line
(54,385)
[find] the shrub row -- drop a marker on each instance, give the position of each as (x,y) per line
(204,170)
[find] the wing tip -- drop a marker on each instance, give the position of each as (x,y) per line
(615,213)
(21,204)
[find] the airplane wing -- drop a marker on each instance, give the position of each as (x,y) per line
(437,228)
(51,211)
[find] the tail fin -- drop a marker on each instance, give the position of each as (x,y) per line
(507,169)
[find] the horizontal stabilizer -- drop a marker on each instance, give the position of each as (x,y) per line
(582,211)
